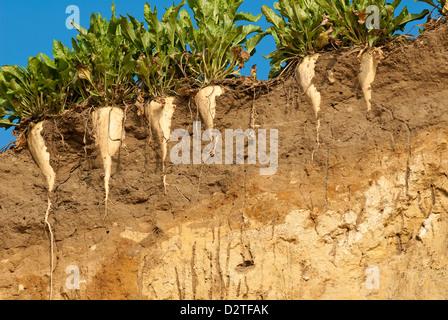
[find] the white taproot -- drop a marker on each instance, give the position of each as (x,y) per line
(206,103)
(108,128)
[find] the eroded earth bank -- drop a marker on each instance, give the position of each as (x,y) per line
(355,211)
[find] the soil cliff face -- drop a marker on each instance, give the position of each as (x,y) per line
(357,211)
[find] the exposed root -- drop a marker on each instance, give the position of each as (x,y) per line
(159,116)
(164,180)
(369,63)
(62,136)
(38,150)
(51,246)
(206,103)
(106,207)
(306,72)
(317,133)
(37,147)
(180,192)
(108,123)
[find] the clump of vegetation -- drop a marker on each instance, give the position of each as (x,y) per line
(219,48)
(369,23)
(350,16)
(117,61)
(98,71)
(31,92)
(305,27)
(159,48)
(105,62)
(300,29)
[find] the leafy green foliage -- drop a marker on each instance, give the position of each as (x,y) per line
(218,46)
(440,5)
(304,27)
(31,92)
(107,58)
(105,63)
(159,48)
(100,69)
(300,29)
(349,18)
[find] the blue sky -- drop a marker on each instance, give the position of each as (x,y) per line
(28,27)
